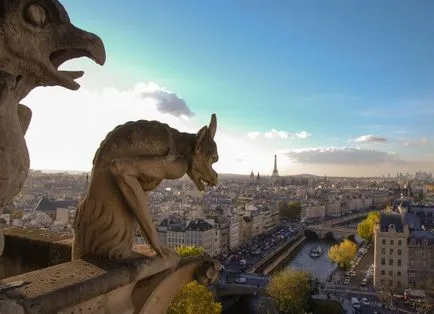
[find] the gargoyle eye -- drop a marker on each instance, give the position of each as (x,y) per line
(36,15)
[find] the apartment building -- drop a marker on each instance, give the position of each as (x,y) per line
(234,232)
(274,216)
(391,252)
(313,211)
(333,207)
(246,225)
(380,198)
(201,233)
(171,232)
(421,258)
(221,226)
(404,252)
(425,213)
(175,232)
(257,223)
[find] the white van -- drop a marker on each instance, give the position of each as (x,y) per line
(355,303)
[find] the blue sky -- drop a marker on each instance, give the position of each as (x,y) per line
(356,77)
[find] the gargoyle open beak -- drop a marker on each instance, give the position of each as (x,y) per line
(201,182)
(74,43)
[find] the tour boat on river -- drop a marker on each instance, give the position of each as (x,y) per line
(316,252)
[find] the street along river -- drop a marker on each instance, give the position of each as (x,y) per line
(320,267)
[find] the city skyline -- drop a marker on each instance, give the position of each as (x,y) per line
(336,89)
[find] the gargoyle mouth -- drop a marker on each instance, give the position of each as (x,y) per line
(67,78)
(201,183)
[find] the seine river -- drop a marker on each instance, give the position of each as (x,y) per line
(320,268)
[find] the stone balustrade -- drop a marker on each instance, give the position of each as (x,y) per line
(94,286)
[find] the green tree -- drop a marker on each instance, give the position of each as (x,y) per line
(283,209)
(291,290)
(290,210)
(365,229)
(193,297)
(343,253)
(295,210)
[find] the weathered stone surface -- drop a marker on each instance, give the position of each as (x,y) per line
(38,247)
(128,283)
(133,160)
(9,306)
(35,39)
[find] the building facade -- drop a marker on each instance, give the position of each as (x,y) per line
(391,253)
(403,253)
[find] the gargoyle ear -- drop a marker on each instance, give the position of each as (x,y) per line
(212,126)
(200,136)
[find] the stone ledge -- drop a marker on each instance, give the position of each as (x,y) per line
(96,286)
(37,247)
(52,289)
(35,234)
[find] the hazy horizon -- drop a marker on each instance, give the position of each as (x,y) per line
(57,171)
(338,88)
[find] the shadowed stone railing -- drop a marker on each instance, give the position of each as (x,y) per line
(94,286)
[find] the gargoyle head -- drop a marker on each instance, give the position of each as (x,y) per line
(204,155)
(36,37)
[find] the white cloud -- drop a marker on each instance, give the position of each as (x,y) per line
(302,134)
(67,128)
(415,142)
(166,101)
(275,134)
(253,135)
(370,139)
(340,155)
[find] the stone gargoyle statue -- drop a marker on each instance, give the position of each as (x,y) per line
(133,160)
(36,38)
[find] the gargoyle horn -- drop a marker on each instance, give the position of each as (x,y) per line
(212,128)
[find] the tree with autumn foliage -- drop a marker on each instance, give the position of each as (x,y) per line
(190,250)
(343,253)
(291,291)
(365,229)
(193,297)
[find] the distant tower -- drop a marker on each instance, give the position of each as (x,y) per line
(252,177)
(275,174)
(258,178)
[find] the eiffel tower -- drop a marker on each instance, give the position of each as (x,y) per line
(275,174)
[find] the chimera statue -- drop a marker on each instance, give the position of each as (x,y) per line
(36,37)
(133,160)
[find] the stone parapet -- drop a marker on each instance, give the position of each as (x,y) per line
(85,286)
(41,247)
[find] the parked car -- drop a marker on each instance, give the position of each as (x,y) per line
(365,302)
(355,303)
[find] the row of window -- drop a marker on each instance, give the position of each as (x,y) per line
(383,262)
(383,282)
(391,251)
(391,242)
(383,273)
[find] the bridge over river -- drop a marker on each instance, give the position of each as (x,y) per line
(335,226)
